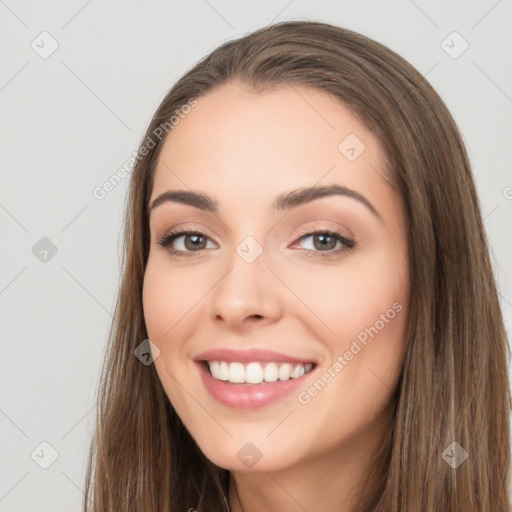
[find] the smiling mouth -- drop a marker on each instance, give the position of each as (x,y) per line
(255,372)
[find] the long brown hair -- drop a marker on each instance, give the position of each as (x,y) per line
(454,387)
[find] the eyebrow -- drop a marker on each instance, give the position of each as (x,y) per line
(285,201)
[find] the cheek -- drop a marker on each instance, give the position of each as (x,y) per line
(363,308)
(366,305)
(165,299)
(155,296)
(166,304)
(173,302)
(343,301)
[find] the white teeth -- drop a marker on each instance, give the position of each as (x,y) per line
(255,373)
(271,372)
(285,371)
(298,371)
(236,373)
(224,371)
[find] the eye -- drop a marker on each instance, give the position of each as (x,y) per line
(323,242)
(193,241)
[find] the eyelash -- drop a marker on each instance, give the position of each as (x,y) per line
(348,244)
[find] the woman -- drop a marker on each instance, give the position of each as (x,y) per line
(307,290)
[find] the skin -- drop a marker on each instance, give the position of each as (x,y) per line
(243,149)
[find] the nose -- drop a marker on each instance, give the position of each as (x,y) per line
(246,293)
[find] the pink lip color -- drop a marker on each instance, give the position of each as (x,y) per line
(248,396)
(248,356)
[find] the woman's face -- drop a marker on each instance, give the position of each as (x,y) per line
(277,279)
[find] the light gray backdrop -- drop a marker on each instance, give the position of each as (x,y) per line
(79,83)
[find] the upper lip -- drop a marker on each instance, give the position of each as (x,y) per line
(249,356)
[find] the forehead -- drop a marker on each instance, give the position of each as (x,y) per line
(246,147)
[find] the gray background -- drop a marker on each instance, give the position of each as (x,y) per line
(71,119)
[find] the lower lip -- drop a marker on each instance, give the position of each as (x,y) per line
(248,396)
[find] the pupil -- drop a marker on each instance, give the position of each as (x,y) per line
(323,237)
(194,239)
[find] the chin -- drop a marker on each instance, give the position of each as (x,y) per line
(237,455)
